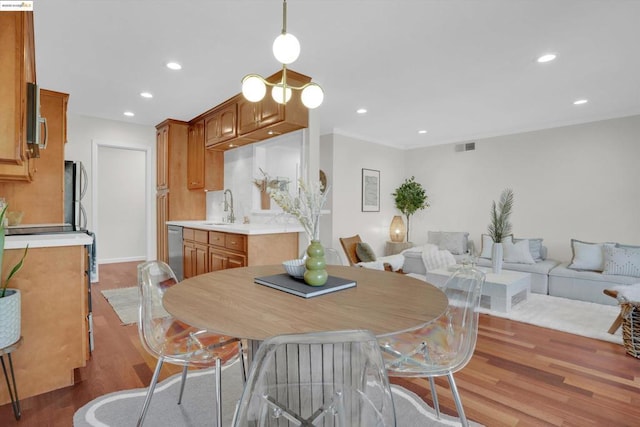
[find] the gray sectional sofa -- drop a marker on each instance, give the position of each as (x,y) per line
(593,268)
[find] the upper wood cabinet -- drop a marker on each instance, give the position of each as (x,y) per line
(220,124)
(17,62)
(265,119)
(162,156)
(42,200)
(195,156)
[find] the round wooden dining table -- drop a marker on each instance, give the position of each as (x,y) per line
(229,302)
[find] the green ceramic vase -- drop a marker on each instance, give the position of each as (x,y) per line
(316,274)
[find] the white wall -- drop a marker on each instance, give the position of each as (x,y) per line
(579,181)
(82,134)
(349,157)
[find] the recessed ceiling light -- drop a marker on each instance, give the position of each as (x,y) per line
(146,95)
(129,114)
(547,57)
(580,101)
(361,111)
(422,132)
(174,66)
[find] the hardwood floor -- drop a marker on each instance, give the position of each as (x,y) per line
(520,375)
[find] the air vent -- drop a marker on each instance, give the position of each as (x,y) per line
(469,146)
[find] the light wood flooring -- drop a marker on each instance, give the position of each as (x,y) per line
(520,375)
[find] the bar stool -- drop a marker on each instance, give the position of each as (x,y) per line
(13,392)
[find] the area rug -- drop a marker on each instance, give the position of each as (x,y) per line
(124,302)
(121,409)
(576,317)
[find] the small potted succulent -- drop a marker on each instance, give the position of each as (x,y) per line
(9,298)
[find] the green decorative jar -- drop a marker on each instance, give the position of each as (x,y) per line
(316,274)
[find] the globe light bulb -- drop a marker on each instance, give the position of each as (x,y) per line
(277,94)
(253,88)
(312,96)
(286,48)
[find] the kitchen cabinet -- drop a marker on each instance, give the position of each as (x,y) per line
(205,168)
(195,252)
(42,200)
(54,317)
(205,250)
(175,201)
(220,124)
(227,250)
(264,119)
(17,62)
(195,156)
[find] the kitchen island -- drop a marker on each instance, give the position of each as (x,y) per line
(212,246)
(54,288)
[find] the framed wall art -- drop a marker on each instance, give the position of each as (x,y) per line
(370,190)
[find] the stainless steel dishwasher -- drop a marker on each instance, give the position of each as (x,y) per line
(175,250)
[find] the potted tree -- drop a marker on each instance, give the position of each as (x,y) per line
(500,227)
(409,198)
(9,298)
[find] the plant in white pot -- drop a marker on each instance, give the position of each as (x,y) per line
(409,198)
(500,227)
(9,298)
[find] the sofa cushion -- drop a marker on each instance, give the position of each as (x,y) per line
(622,261)
(517,252)
(365,252)
(535,248)
(455,242)
(587,256)
(541,267)
(487,245)
(563,270)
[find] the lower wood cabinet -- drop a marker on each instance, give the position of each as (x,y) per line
(205,251)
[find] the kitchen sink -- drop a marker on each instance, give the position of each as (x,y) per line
(216,223)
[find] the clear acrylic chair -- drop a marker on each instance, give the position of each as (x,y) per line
(173,341)
(326,378)
(443,346)
(332,257)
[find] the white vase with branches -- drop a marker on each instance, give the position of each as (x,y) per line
(500,227)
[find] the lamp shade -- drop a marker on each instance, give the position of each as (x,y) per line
(397,230)
(253,88)
(286,48)
(281,94)
(312,96)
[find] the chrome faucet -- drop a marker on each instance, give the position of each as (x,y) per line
(228,207)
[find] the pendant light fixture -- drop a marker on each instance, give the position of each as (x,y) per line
(286,49)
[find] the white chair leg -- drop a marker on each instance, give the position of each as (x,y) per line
(456,398)
(218,393)
(434,396)
(152,386)
(183,382)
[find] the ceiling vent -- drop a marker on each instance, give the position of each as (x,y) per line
(469,146)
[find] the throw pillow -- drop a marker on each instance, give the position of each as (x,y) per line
(517,252)
(535,247)
(487,245)
(364,252)
(454,242)
(436,258)
(621,261)
(587,255)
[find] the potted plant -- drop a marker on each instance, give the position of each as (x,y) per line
(409,198)
(500,227)
(9,298)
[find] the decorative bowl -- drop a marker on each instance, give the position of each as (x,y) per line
(295,268)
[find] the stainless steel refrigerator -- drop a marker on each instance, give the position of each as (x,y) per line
(75,187)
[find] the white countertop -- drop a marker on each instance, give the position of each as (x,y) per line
(47,240)
(240,228)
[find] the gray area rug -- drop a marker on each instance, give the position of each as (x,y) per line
(121,409)
(124,302)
